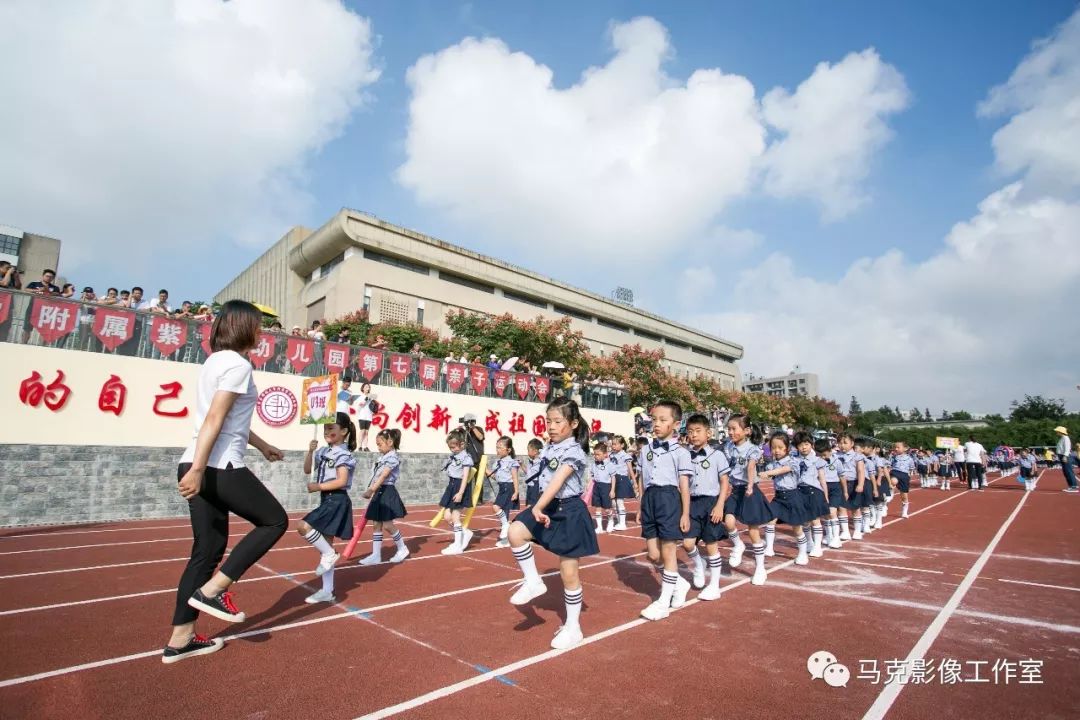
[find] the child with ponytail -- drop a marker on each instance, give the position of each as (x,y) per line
(385,504)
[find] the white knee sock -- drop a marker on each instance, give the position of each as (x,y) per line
(527,562)
(573,599)
(319,542)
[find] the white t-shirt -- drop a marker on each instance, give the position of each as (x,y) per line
(958,454)
(974,452)
(230,371)
(363,409)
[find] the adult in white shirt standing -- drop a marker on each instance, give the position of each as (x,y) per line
(958,463)
(976,464)
(213,479)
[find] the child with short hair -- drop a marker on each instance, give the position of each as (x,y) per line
(505,472)
(531,468)
(812,485)
(458,493)
(709,490)
(385,505)
(603,493)
(899,471)
(876,502)
(788,504)
(746,503)
(837,495)
(627,484)
(334,466)
(559,520)
(1027,469)
(665,507)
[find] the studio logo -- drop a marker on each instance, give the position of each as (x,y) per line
(822,665)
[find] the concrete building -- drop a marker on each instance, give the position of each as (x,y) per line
(784,386)
(31,254)
(357,261)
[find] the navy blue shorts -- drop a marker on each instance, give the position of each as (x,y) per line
(452,487)
(1025,472)
(532,493)
(601,496)
(749,509)
(885,487)
(661,508)
(624,488)
(571,533)
(386,505)
(789,507)
(836,495)
(701,525)
(903,481)
(333,517)
(502,500)
(817,505)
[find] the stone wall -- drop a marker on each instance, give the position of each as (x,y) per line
(57,484)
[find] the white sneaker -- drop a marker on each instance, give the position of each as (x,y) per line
(885,510)
(759,577)
(326,562)
(451,549)
(621,526)
(735,558)
(372,559)
(845,533)
(322,596)
(769,552)
(503,543)
(835,544)
(802,559)
(857,535)
(678,598)
(817,552)
(400,555)
(466,537)
(600,529)
(709,593)
(504,533)
(528,592)
(611,524)
(656,611)
(699,578)
(566,637)
(878,525)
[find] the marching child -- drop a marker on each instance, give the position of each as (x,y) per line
(627,484)
(1027,469)
(788,504)
(853,473)
(709,489)
(900,472)
(559,521)
(665,506)
(385,506)
(603,494)
(746,503)
(838,495)
(505,472)
(334,466)
(876,502)
(531,469)
(458,493)
(812,486)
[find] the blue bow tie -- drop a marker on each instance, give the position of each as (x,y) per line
(697,453)
(659,445)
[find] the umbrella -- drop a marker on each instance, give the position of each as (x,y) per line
(636,410)
(509,364)
(266,310)
(554,365)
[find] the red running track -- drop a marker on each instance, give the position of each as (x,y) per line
(976,594)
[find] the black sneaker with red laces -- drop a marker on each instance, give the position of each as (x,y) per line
(198,645)
(220,606)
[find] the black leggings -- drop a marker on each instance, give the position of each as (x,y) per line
(234,490)
(975,474)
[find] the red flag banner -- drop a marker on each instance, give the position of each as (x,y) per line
(543,385)
(478,377)
(264,351)
(5,306)
(521,382)
(113,327)
(429,371)
(336,357)
(167,335)
(400,366)
(455,375)
(369,362)
(204,334)
(301,352)
(53,319)
(501,380)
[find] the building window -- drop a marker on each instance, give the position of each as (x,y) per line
(420,312)
(573,313)
(9,245)
(396,262)
(701,351)
(391,311)
(333,263)
(367,301)
(676,343)
(647,335)
(613,325)
(518,297)
(466,282)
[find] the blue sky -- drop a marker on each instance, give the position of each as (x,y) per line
(205,129)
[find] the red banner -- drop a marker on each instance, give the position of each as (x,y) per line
(542,385)
(204,333)
(336,357)
(369,363)
(478,377)
(113,327)
(301,353)
(53,319)
(5,306)
(429,371)
(400,366)
(501,380)
(521,382)
(167,335)
(455,375)
(264,351)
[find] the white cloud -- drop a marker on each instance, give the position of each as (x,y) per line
(980,323)
(832,125)
(131,125)
(1042,138)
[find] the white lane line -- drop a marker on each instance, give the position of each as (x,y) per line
(891,691)
(1042,585)
(997,556)
(883,565)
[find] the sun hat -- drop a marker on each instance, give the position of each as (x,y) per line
(1061,430)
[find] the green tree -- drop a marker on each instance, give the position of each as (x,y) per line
(854,408)
(356,324)
(537,341)
(916,415)
(1036,407)
(960,415)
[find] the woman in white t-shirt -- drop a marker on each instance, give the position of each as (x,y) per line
(976,468)
(364,414)
(213,479)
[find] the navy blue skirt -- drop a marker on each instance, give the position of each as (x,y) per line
(503,501)
(789,507)
(903,481)
(571,532)
(749,509)
(661,508)
(385,505)
(836,495)
(701,525)
(532,493)
(862,499)
(817,505)
(333,517)
(452,487)
(624,488)
(601,496)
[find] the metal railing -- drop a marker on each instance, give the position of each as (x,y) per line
(69,324)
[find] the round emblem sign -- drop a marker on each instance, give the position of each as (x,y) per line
(276,406)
